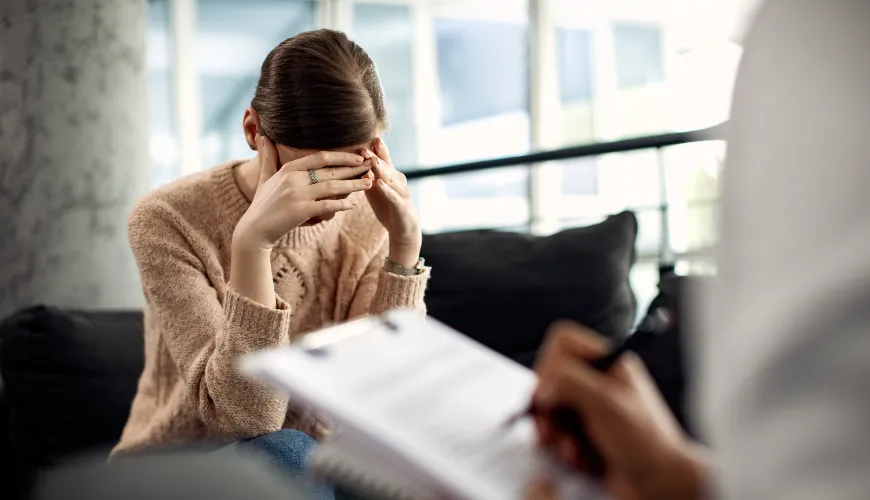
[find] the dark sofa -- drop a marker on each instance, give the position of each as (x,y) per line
(69,376)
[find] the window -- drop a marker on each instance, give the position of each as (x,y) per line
(612,81)
(574,53)
(483,90)
(483,69)
(163,147)
(386,33)
(692,176)
(232,39)
(638,55)
(579,177)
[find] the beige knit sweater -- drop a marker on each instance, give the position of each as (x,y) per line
(196,327)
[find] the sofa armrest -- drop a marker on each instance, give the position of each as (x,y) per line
(7,485)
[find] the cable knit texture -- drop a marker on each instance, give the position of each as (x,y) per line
(196,327)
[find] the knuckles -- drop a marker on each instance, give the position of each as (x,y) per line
(322,157)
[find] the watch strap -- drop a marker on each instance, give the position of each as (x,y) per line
(392,267)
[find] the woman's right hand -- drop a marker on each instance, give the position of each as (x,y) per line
(286,197)
(645,453)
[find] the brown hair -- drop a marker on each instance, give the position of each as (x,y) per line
(319,90)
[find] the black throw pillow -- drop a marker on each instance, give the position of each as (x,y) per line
(69,379)
(504,289)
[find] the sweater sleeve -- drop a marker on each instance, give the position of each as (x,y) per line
(205,331)
(380,291)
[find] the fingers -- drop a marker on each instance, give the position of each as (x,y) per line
(324,207)
(546,430)
(569,342)
(325,159)
(338,188)
(575,339)
(382,151)
(631,370)
(390,193)
(390,175)
(267,154)
(573,391)
(379,168)
(566,339)
(333,173)
(575,385)
(541,489)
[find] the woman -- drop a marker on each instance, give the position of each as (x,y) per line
(316,229)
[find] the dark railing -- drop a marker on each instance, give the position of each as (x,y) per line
(657,142)
(586,150)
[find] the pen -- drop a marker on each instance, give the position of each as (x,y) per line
(657,322)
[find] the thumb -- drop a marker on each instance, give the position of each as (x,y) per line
(267,155)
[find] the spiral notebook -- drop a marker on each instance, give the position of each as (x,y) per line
(419,410)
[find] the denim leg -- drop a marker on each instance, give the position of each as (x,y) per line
(287,451)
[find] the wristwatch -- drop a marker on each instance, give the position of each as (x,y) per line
(392,267)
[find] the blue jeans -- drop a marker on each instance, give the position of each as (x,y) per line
(287,452)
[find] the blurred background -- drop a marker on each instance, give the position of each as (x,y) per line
(468,80)
(101,101)
(586,107)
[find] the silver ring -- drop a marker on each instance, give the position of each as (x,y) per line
(313,175)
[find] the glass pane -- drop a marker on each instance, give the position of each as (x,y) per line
(595,188)
(495,205)
(693,172)
(163,141)
(496,183)
(579,177)
(641,107)
(649,232)
(482,68)
(483,79)
(610,182)
(233,38)
(638,55)
(480,61)
(574,55)
(630,179)
(386,33)
(644,279)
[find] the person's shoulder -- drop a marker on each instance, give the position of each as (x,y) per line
(362,227)
(189,204)
(182,197)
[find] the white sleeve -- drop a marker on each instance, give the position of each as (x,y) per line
(785,363)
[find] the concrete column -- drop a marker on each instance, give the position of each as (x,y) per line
(73,151)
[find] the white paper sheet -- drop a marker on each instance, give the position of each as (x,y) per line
(427,394)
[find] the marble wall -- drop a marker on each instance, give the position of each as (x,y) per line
(73,150)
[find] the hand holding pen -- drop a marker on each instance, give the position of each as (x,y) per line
(607,418)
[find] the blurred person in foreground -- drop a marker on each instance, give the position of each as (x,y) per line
(316,229)
(784,357)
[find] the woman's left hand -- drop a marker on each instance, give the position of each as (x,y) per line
(390,199)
